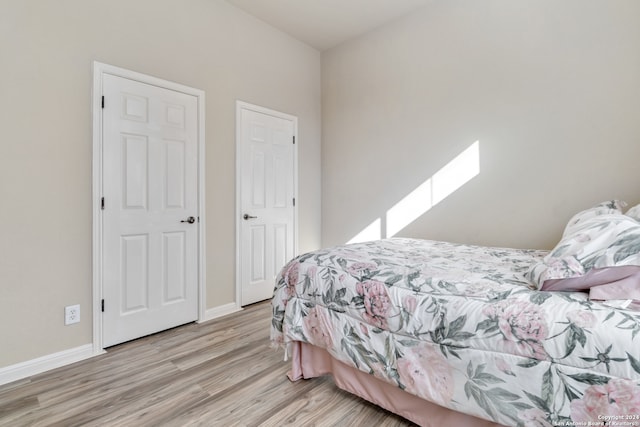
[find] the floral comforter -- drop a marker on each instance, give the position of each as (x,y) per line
(460,326)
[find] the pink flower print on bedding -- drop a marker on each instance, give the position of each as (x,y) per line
(522,326)
(424,371)
(377,303)
(317,328)
(619,397)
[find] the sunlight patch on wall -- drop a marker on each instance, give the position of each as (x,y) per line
(456,173)
(372,231)
(410,208)
(452,176)
(438,187)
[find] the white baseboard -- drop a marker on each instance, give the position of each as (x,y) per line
(66,357)
(219,311)
(45,363)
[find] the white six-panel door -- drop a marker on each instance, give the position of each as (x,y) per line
(267,205)
(150,223)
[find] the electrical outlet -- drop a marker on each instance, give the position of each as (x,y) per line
(72,314)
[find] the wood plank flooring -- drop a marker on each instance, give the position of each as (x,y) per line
(220,373)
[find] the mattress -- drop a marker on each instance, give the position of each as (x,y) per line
(460,326)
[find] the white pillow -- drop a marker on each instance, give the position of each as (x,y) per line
(634,212)
(604,208)
(606,240)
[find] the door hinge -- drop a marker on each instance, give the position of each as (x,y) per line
(102,203)
(102,101)
(294,201)
(102,305)
(294,139)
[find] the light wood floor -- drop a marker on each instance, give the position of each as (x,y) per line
(220,373)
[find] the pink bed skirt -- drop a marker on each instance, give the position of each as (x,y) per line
(309,361)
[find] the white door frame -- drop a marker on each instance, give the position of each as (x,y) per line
(99,69)
(240,105)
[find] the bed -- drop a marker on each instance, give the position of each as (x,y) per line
(453,334)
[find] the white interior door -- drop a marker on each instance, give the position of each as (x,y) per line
(150,223)
(267,159)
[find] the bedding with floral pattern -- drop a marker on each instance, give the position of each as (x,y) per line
(461,326)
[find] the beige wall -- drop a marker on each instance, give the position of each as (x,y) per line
(550,89)
(46,53)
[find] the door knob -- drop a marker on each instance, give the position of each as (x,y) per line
(190,220)
(247,216)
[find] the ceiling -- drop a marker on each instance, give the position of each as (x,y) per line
(324,24)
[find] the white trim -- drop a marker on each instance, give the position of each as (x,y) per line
(99,69)
(219,311)
(202,240)
(45,363)
(96,107)
(240,105)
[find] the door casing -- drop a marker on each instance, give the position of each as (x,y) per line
(100,69)
(240,105)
